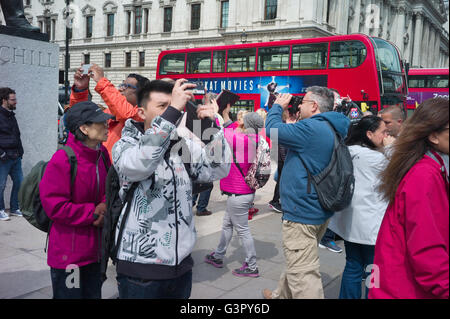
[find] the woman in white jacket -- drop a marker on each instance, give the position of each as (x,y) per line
(359,223)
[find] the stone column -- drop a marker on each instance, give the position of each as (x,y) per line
(425,40)
(400,29)
(437,46)
(417,40)
(430,46)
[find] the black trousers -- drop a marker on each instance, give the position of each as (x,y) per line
(276,192)
(80,283)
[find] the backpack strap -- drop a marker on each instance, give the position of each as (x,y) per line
(128,199)
(237,165)
(73,163)
(336,139)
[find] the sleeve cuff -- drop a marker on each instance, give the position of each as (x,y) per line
(76,90)
(172,115)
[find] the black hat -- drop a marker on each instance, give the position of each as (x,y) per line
(84,112)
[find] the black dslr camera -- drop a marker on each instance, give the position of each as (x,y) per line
(294,103)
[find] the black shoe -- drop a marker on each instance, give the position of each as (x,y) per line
(15,17)
(276,206)
(204,213)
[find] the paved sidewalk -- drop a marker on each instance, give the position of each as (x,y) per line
(24,272)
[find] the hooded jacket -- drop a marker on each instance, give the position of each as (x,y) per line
(313,140)
(159,233)
(73,239)
(412,248)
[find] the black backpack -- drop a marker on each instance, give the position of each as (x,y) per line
(336,183)
(114,206)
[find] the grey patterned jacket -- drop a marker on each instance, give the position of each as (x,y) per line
(160,228)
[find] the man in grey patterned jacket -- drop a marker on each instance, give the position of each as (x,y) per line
(154,258)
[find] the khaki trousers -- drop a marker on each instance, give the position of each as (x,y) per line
(301,280)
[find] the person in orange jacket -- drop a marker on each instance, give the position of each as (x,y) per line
(121,102)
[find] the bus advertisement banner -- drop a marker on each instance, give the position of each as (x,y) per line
(416,98)
(265,86)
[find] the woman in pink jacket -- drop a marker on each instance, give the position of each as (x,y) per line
(412,248)
(77,211)
(240,195)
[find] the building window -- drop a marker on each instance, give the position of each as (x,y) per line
(89,20)
(270,10)
(141,58)
(48,26)
(107,60)
(87,58)
(224,9)
(110,25)
(128,59)
(128,22)
(168,19)
(146,17)
(138,20)
(195,16)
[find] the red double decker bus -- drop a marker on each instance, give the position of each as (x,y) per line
(367,69)
(425,84)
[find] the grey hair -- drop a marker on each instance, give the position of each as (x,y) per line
(323,96)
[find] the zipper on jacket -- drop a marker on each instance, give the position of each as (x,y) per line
(176,215)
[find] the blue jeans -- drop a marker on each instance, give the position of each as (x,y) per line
(88,287)
(13,168)
(177,288)
(202,201)
(358,256)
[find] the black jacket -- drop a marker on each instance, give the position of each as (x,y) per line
(10,143)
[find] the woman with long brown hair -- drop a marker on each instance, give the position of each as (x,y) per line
(412,248)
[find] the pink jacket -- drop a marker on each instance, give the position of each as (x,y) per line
(73,239)
(412,248)
(245,152)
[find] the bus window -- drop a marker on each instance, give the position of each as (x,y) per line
(199,62)
(172,64)
(241,60)
(273,59)
(348,54)
(309,56)
(428,81)
(387,56)
(218,61)
(247,105)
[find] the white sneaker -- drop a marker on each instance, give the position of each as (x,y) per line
(16,213)
(4,216)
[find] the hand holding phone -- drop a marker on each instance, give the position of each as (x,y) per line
(226,97)
(86,68)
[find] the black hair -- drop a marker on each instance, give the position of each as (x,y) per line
(79,135)
(357,132)
(143,95)
(4,94)
(141,80)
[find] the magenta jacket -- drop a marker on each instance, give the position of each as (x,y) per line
(245,151)
(73,239)
(411,251)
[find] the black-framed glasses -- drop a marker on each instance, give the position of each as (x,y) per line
(303,101)
(127,85)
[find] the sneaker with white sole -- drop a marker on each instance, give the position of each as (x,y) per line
(16,213)
(3,215)
(276,206)
(331,246)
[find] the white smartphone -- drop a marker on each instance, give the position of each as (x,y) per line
(86,68)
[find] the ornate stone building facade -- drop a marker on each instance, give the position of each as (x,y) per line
(126,36)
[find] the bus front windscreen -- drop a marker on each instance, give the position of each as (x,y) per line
(389,66)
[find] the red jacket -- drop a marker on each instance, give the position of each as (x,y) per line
(411,251)
(117,106)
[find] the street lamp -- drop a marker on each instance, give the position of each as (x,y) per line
(66,66)
(243,37)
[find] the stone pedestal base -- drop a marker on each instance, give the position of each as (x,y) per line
(30,67)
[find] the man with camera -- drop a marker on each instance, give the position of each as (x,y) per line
(154,250)
(121,102)
(304,220)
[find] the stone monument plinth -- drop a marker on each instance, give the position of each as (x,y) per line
(30,67)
